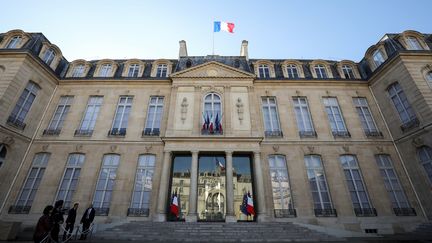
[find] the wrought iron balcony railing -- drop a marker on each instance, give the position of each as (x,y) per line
(341,134)
(373,134)
(15,122)
(414,122)
(138,212)
(327,212)
(307,134)
(101,211)
(117,132)
(404,211)
(83,133)
(151,132)
(17,209)
(50,132)
(365,212)
(273,134)
(285,213)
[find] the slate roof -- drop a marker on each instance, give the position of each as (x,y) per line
(391,45)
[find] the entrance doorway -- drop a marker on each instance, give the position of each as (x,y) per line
(211,188)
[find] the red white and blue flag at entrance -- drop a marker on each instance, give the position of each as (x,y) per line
(219,164)
(174,207)
(247,206)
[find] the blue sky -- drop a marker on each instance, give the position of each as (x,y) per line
(283,29)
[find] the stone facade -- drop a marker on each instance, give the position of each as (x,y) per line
(242,86)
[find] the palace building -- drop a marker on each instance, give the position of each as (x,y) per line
(340,144)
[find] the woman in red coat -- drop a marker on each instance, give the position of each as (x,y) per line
(44,225)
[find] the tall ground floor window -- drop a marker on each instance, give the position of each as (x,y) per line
(243,185)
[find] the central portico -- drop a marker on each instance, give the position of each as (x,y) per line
(210,177)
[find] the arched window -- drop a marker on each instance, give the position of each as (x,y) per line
(105,183)
(429,78)
(400,101)
(78,71)
(413,43)
(264,71)
(14,42)
(212,114)
(292,71)
(2,154)
(140,203)
(281,189)
(424,154)
(378,58)
(49,56)
(320,71)
(70,178)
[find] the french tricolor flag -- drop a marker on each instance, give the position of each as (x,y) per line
(219,25)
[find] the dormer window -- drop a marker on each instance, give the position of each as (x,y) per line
(413,43)
(429,76)
(105,70)
(320,71)
(162,70)
(292,71)
(14,42)
(49,56)
(133,70)
(378,58)
(348,72)
(264,71)
(78,71)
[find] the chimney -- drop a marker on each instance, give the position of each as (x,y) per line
(183,49)
(244,49)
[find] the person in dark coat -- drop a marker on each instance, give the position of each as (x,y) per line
(43,225)
(86,220)
(70,221)
(57,218)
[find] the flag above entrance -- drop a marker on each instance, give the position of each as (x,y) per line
(219,25)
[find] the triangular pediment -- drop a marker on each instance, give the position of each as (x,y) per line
(213,70)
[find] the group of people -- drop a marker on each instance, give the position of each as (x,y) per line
(51,220)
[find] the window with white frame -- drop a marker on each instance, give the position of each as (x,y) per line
(213,111)
(59,116)
(424,154)
(318,182)
(264,71)
(348,72)
(356,186)
(378,58)
(335,117)
(271,116)
(23,104)
(365,115)
(391,181)
(32,182)
(121,118)
(154,116)
(143,182)
(14,42)
(49,56)
(106,181)
(78,71)
(90,115)
(413,43)
(320,71)
(292,71)
(162,70)
(281,189)
(3,152)
(400,101)
(303,117)
(70,178)
(133,70)
(105,70)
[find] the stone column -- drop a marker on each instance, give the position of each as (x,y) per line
(163,188)
(259,190)
(193,192)
(230,216)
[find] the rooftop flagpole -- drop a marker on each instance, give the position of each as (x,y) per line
(213,39)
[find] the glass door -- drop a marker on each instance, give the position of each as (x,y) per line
(211,188)
(243,188)
(178,203)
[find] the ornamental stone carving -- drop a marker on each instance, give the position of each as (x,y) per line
(184,109)
(240,110)
(8,140)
